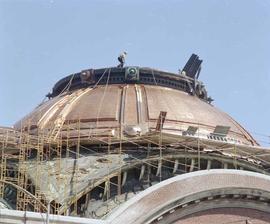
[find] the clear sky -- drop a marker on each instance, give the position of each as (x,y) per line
(45,40)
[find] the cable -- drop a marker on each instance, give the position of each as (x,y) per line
(260,134)
(103,96)
(68,85)
(154,77)
(95,87)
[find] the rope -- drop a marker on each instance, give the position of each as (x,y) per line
(95,87)
(103,96)
(68,85)
(260,134)
(101,77)
(154,77)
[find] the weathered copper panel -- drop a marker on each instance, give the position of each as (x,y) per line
(101,103)
(183,107)
(156,100)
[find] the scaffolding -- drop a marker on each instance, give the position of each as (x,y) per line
(31,157)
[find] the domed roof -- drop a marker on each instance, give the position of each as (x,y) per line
(108,99)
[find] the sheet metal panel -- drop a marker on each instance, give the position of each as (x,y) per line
(99,104)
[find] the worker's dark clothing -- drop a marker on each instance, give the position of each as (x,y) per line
(121,59)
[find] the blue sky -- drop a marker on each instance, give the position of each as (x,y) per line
(43,41)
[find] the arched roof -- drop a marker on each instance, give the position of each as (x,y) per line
(164,197)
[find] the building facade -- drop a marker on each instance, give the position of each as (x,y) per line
(134,145)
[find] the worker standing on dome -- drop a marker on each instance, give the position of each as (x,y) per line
(121,59)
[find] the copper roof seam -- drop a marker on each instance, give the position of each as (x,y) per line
(60,120)
(51,111)
(118,105)
(122,106)
(145,103)
(138,104)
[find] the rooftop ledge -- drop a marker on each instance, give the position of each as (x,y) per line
(130,75)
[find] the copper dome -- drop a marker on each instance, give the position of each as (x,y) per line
(107,99)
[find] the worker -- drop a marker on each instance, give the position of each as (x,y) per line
(121,59)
